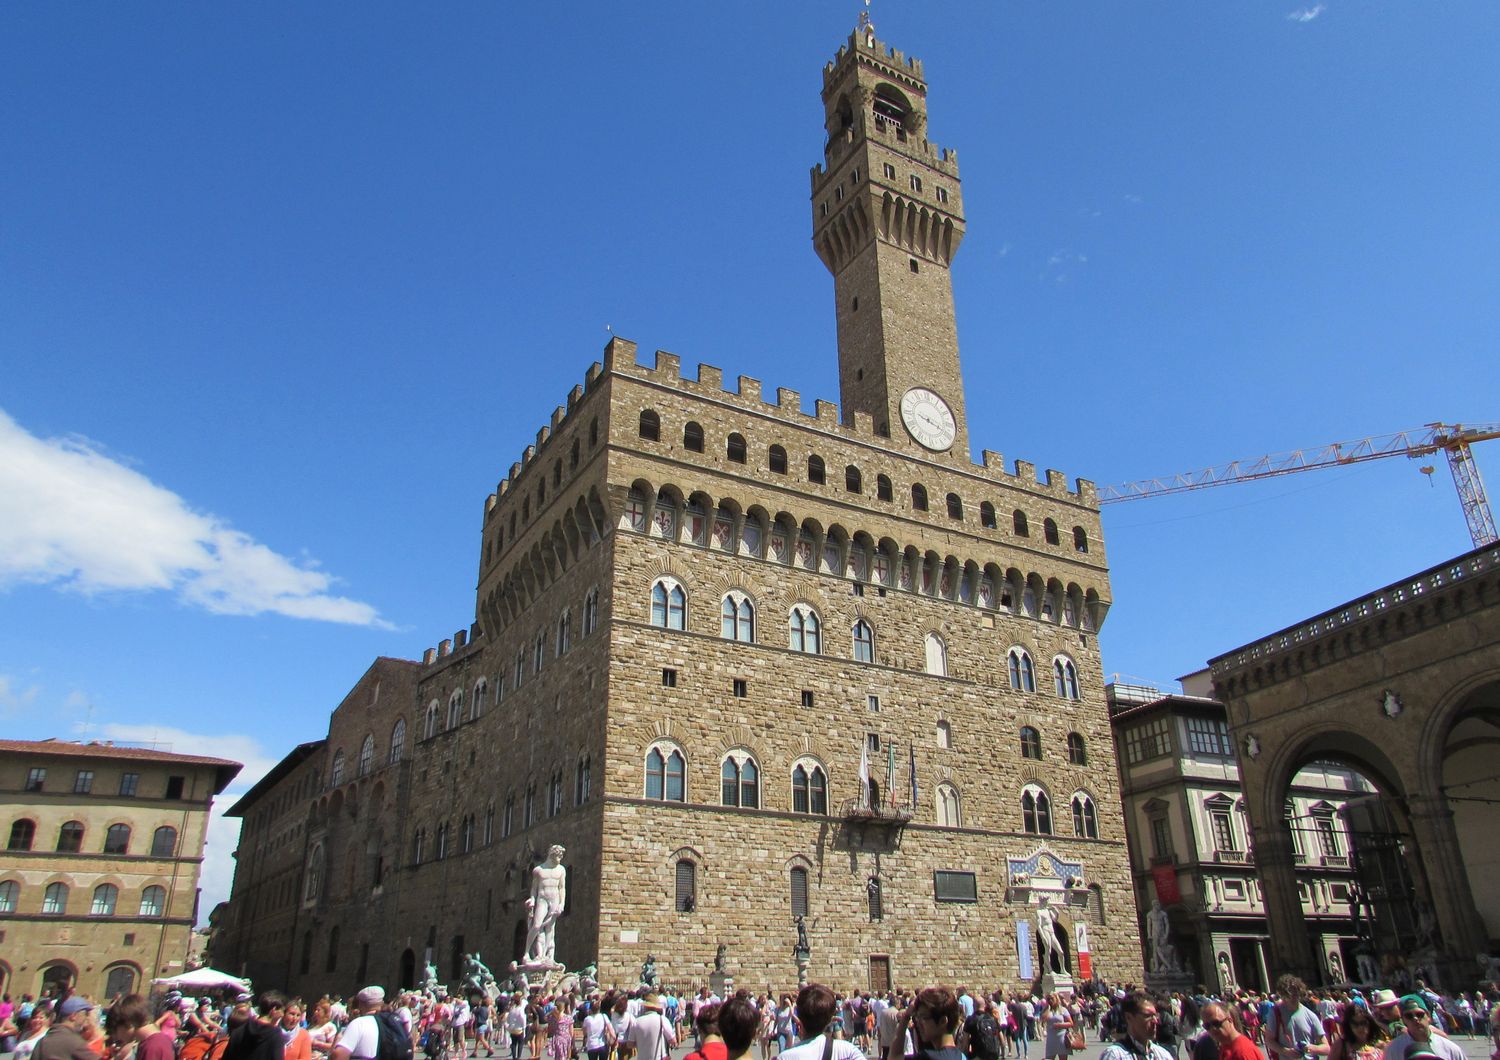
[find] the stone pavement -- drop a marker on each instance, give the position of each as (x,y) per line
(1474,1049)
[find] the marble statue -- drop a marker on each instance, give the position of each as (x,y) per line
(549,896)
(648,971)
(1159,933)
(1226,973)
(1049,948)
(719,957)
(430,978)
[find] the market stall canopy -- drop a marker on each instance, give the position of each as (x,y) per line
(203,979)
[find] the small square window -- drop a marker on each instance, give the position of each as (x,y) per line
(873,702)
(807,697)
(942,194)
(872,740)
(890,171)
(913,264)
(174,787)
(854,304)
(859,589)
(740,688)
(129,938)
(668,677)
(916,182)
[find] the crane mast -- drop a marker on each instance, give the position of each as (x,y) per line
(1454,441)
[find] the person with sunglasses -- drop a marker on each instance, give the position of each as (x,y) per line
(1360,1036)
(1220,1026)
(1417,1038)
(1138,1014)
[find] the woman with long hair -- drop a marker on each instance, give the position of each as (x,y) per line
(1058,1021)
(1360,1036)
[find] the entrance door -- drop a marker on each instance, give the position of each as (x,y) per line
(1245,956)
(408,969)
(56,980)
(880,974)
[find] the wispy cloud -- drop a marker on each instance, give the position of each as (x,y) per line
(14,698)
(223,832)
(1306,14)
(73,517)
(1062,265)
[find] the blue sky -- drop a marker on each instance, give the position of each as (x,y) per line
(285,289)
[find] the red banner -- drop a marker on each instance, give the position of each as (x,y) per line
(1086,966)
(1165,878)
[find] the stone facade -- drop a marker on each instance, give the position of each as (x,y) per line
(1402,684)
(99,878)
(680,579)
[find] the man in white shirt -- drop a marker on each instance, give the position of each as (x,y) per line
(815,1008)
(1417,1039)
(361,1039)
(650,1032)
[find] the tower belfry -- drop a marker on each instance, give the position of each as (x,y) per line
(887,220)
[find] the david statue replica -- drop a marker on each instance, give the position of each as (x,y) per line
(549,896)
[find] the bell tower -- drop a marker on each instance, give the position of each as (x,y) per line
(887,220)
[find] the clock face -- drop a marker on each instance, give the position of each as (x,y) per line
(928,419)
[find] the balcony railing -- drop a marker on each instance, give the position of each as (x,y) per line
(1232,857)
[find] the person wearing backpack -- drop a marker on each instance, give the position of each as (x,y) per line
(374,1034)
(982,1032)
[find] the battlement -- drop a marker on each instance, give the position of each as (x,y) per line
(865,46)
(452,646)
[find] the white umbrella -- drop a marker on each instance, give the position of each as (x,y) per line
(203,979)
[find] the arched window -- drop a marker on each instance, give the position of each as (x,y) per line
(70,838)
(564,633)
(734,449)
(117,839)
(583,779)
(883,488)
(22,835)
(120,981)
(1036,811)
(1022,676)
(573,456)
(1018,523)
(816,472)
(398,741)
(538,652)
(418,847)
(665,774)
(164,842)
(10,894)
(936,655)
(480,699)
(987,515)
(737,618)
(153,901)
(776,458)
(740,781)
(872,893)
(55,899)
(1031,743)
(336,774)
(668,604)
(692,437)
(367,755)
(854,482)
(106,895)
(466,834)
(1049,531)
(650,425)
(1064,678)
(1085,821)
(918,497)
(798,881)
(949,808)
(508,818)
(430,721)
(1080,539)
(804,627)
(440,848)
(1095,905)
(955,506)
(590,611)
(1077,750)
(864,642)
(685,900)
(809,788)
(455,709)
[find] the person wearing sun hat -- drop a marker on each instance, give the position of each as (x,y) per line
(1417,1039)
(1385,1006)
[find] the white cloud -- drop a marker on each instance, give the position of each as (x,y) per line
(73,517)
(1062,265)
(14,698)
(1306,14)
(217,874)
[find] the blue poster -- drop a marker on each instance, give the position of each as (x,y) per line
(1023,948)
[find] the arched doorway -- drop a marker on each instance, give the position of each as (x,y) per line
(408,969)
(58,978)
(120,980)
(1470,784)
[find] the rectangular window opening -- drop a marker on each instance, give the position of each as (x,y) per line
(807,697)
(955,887)
(668,677)
(740,688)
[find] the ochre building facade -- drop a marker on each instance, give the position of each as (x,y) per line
(751,662)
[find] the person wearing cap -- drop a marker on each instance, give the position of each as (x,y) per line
(1385,1006)
(66,1041)
(1417,1041)
(361,1039)
(650,1032)
(259,1037)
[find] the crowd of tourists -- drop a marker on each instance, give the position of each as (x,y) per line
(937,1023)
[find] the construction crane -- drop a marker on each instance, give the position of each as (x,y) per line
(1452,440)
